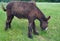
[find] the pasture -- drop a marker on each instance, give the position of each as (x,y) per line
(20,26)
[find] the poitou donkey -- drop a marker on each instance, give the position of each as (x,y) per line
(27,10)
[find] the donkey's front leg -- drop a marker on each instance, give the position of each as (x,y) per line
(30,29)
(34,29)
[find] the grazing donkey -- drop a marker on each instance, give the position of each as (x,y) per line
(26,10)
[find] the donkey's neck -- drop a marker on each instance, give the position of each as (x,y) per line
(41,16)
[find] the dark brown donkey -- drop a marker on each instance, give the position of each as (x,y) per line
(26,10)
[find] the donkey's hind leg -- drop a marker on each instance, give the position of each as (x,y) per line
(8,21)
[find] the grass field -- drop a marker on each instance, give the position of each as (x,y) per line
(20,26)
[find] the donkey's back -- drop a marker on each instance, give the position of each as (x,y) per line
(21,9)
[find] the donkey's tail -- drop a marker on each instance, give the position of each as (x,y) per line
(3,8)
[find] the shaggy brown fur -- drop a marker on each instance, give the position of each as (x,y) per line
(26,10)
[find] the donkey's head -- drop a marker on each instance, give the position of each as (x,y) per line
(44,23)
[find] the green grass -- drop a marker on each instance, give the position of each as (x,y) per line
(20,26)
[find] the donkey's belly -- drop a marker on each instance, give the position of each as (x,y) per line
(21,16)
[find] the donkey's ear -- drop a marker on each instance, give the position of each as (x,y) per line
(48,17)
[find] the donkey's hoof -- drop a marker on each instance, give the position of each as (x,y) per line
(30,36)
(36,33)
(6,29)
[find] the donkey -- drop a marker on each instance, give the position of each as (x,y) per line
(27,10)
